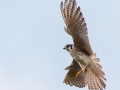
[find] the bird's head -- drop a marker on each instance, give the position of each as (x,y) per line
(68,47)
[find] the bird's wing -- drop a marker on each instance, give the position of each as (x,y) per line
(71,78)
(76,26)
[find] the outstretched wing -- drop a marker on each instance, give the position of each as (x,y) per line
(76,26)
(71,78)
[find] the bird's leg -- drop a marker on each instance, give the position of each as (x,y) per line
(83,70)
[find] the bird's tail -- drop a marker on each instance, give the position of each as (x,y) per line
(94,75)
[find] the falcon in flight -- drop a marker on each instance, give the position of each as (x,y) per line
(85,68)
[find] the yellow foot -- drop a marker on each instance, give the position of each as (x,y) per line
(78,73)
(83,70)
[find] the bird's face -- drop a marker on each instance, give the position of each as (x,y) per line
(68,47)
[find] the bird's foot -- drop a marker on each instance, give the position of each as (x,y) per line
(83,70)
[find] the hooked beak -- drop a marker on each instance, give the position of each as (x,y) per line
(64,47)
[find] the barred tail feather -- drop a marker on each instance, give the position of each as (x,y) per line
(94,75)
(94,82)
(97,66)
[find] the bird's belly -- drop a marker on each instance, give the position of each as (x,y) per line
(81,58)
(77,58)
(85,59)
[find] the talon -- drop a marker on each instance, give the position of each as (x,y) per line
(78,73)
(83,70)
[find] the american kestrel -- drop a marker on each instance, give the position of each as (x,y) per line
(85,68)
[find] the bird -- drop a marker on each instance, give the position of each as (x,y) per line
(85,68)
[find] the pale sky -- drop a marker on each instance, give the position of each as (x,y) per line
(32,38)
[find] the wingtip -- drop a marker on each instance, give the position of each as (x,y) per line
(67,68)
(75,3)
(66,2)
(61,5)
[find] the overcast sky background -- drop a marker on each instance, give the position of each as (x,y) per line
(32,38)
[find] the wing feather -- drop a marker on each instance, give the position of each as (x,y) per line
(71,78)
(76,26)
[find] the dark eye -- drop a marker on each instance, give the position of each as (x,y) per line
(71,46)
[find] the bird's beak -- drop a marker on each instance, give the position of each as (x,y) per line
(64,47)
